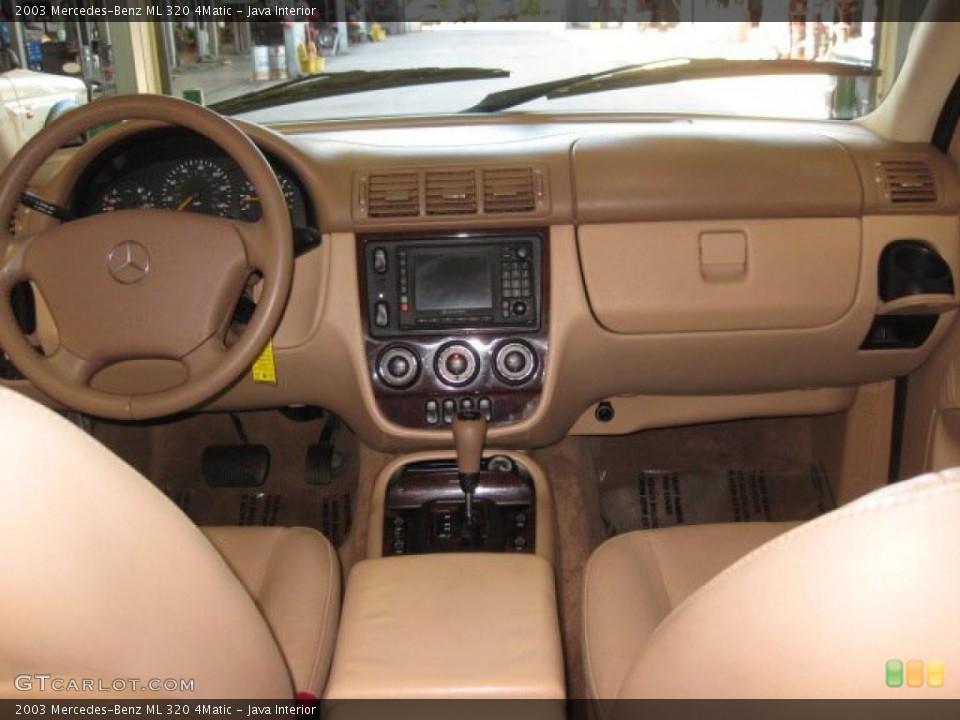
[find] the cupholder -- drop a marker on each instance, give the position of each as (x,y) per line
(912,267)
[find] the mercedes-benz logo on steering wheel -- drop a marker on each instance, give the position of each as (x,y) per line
(128,262)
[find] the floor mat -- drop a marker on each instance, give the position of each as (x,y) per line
(745,470)
(170,455)
(662,498)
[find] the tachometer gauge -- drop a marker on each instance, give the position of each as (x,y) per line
(124,196)
(250,203)
(198,185)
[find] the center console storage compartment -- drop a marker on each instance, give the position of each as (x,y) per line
(449,626)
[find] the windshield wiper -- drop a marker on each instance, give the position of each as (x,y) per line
(663,72)
(346,83)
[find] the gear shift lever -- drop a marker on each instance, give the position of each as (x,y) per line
(469,434)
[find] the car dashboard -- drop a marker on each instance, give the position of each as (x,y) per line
(585,275)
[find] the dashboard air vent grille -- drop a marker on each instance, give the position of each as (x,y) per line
(392,195)
(451,192)
(508,190)
(908,182)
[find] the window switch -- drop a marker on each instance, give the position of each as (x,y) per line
(433,412)
(449,410)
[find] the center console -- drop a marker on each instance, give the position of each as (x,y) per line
(455,322)
(434,613)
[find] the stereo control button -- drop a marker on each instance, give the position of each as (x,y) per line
(380,261)
(398,366)
(381,314)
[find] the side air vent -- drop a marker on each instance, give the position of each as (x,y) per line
(509,190)
(392,195)
(908,182)
(451,192)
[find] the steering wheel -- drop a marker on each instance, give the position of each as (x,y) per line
(143,284)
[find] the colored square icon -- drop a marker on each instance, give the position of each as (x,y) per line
(915,673)
(935,673)
(894,673)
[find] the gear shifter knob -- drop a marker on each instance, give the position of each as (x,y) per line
(469,435)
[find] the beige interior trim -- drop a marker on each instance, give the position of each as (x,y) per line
(910,111)
(546,518)
(855,445)
(642,412)
(449,626)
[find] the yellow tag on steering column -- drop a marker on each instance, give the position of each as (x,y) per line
(264,368)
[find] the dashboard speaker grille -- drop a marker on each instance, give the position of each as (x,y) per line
(908,182)
(451,192)
(393,195)
(509,190)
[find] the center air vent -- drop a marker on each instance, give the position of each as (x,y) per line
(508,190)
(392,195)
(908,182)
(441,192)
(451,192)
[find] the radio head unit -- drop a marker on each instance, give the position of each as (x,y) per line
(434,285)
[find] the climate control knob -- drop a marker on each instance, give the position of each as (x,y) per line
(398,366)
(457,364)
(515,362)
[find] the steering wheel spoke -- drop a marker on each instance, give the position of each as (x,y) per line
(13,269)
(256,244)
(72,367)
(204,358)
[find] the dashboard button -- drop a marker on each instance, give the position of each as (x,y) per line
(485,406)
(381,314)
(515,362)
(398,366)
(380,261)
(456,364)
(519,308)
(449,410)
(433,412)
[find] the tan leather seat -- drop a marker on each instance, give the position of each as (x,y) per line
(104,578)
(816,611)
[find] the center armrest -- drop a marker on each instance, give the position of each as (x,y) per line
(449,626)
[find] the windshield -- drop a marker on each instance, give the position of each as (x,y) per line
(359,59)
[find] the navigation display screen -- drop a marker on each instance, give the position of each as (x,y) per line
(455,281)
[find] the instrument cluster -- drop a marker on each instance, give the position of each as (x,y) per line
(183,172)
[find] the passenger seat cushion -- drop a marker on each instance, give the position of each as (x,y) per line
(294,577)
(635,580)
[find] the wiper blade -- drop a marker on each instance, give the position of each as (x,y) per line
(664,72)
(345,83)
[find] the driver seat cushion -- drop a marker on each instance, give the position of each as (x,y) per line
(293,575)
(105,578)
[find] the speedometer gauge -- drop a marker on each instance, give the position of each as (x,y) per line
(197,185)
(124,196)
(250,203)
